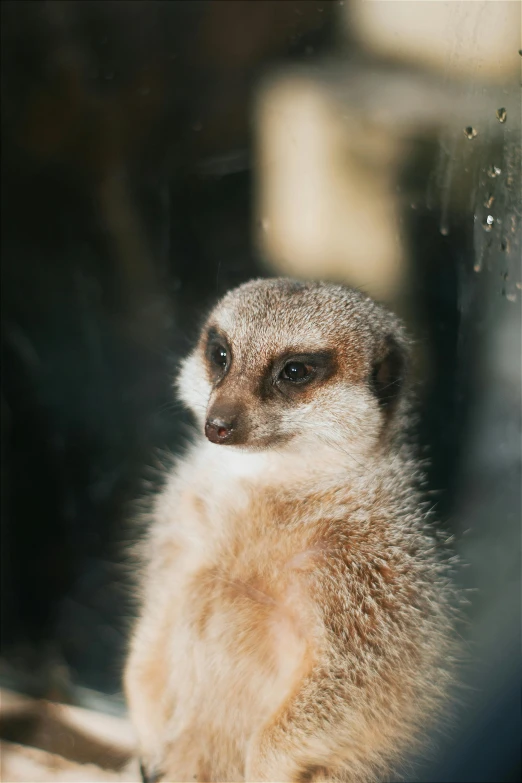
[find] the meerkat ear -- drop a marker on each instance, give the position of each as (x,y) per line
(388,372)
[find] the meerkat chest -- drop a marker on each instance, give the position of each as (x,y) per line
(242,630)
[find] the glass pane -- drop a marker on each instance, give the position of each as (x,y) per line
(154,155)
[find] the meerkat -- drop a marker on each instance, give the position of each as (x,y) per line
(295,620)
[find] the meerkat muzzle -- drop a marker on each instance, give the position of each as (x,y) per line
(218,430)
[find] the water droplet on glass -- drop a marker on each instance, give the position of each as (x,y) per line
(197,126)
(470,133)
(487,224)
(511,297)
(320,10)
(264,224)
(489,201)
(494,171)
(519,286)
(501,114)
(444,230)
(504,246)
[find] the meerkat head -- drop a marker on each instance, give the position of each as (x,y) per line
(281,361)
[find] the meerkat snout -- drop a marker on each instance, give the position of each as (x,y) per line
(221,426)
(218,430)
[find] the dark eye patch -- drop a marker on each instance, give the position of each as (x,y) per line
(292,371)
(218,353)
(296,372)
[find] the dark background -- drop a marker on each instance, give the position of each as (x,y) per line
(127,192)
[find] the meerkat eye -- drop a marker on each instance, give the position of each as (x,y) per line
(297,372)
(218,355)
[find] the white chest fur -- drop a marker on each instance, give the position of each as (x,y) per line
(233,594)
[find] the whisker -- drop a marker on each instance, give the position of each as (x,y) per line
(338,447)
(392,383)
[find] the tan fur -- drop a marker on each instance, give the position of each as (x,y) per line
(295,614)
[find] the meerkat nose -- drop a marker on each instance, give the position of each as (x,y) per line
(218,430)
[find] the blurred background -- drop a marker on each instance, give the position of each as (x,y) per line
(155,154)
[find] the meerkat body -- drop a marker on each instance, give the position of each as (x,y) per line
(294,621)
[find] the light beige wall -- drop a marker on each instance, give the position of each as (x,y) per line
(462,38)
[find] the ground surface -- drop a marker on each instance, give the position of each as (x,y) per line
(43,741)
